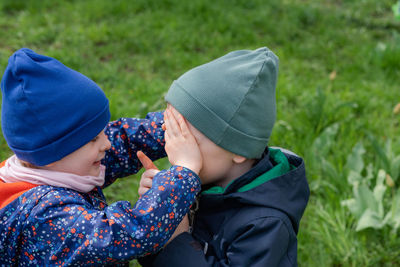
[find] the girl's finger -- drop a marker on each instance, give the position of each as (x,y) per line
(142,191)
(167,137)
(182,122)
(146,182)
(151,173)
(178,117)
(173,124)
(164,116)
(167,122)
(146,161)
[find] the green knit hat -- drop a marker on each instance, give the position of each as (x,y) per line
(231,100)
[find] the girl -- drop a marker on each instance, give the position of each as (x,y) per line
(52,209)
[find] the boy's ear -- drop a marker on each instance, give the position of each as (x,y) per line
(238,159)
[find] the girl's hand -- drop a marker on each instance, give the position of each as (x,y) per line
(181,146)
(146,181)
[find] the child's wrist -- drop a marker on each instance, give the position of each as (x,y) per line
(196,170)
(193,167)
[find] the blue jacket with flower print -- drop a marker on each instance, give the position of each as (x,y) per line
(57,226)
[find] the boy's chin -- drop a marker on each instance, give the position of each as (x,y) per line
(210,182)
(205,183)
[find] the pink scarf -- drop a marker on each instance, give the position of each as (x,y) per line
(13,172)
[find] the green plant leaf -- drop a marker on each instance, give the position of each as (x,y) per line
(395,212)
(370,173)
(396,10)
(316,111)
(379,191)
(366,199)
(380,151)
(351,204)
(328,169)
(354,178)
(323,143)
(370,218)
(395,168)
(355,159)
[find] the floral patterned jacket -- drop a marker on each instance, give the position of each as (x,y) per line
(57,226)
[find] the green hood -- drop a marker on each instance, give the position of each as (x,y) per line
(282,166)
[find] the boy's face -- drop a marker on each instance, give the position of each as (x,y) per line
(85,160)
(217,162)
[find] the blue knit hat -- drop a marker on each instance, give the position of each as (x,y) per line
(48,110)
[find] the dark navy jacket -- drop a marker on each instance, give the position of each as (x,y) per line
(252,222)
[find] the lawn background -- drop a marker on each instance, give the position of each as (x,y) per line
(338,85)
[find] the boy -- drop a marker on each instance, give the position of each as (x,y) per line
(253,197)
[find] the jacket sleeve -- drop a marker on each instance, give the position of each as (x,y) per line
(264,242)
(78,233)
(127,136)
(182,251)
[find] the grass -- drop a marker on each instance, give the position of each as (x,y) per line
(338,84)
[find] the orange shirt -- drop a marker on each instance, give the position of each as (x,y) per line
(11,191)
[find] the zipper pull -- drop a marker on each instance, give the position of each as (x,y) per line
(192,213)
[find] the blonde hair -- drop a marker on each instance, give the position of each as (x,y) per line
(28,165)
